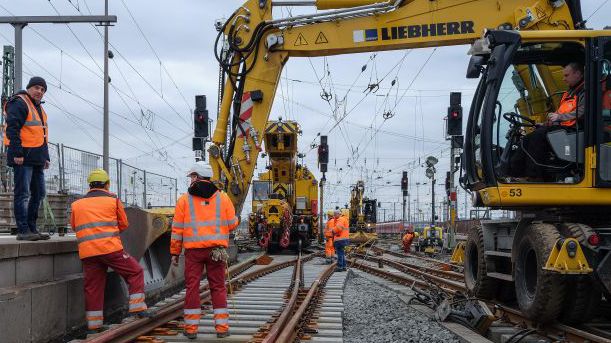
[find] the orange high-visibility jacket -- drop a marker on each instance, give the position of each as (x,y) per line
(329,228)
(34,132)
(97,219)
(202,223)
(408,237)
(340,229)
(329,249)
(568,105)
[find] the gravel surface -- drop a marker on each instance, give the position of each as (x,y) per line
(374,314)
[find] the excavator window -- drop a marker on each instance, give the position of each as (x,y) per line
(261,190)
(605,94)
(531,88)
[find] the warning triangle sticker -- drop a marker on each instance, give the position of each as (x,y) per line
(321,38)
(300,40)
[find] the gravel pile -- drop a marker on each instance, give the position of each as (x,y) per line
(373,314)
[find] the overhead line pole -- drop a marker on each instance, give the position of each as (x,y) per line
(106,140)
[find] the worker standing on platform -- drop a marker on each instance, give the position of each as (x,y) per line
(407,241)
(202,221)
(329,249)
(26,137)
(341,238)
(97,219)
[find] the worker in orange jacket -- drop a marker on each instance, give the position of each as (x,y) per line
(97,219)
(203,219)
(407,241)
(329,249)
(341,238)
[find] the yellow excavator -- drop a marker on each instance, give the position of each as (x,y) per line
(556,255)
(362,215)
(285,198)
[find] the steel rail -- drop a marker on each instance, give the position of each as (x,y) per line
(276,328)
(291,329)
(452,275)
(432,260)
(129,331)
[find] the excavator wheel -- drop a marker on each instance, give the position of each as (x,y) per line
(583,296)
(478,283)
(540,293)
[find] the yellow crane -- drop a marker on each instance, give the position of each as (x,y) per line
(285,198)
(556,254)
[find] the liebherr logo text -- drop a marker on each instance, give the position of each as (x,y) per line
(414,31)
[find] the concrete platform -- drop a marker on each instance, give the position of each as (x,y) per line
(41,289)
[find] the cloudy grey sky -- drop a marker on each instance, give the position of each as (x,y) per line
(153,90)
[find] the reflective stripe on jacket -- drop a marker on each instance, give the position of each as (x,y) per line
(340,230)
(202,223)
(33,133)
(97,219)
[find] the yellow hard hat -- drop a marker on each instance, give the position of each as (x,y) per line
(98,175)
(329,213)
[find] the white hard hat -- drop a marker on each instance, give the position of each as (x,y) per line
(200,168)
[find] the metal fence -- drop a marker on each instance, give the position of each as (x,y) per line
(71,166)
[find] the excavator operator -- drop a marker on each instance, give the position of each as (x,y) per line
(535,146)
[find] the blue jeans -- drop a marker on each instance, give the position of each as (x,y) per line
(339,249)
(28,193)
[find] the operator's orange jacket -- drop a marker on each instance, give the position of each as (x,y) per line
(97,219)
(340,229)
(34,132)
(329,249)
(568,105)
(202,222)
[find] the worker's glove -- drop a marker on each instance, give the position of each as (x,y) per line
(219,254)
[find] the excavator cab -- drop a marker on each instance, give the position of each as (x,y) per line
(520,84)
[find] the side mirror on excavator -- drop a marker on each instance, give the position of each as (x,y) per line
(475,67)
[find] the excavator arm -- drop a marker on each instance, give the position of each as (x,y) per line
(252,47)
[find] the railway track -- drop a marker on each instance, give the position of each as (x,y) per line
(299,298)
(277,301)
(419,278)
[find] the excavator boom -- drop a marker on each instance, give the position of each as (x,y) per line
(256,46)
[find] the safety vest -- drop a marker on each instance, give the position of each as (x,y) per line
(408,237)
(568,104)
(202,223)
(340,230)
(97,219)
(329,229)
(34,131)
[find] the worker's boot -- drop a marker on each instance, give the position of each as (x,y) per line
(222,334)
(190,335)
(27,237)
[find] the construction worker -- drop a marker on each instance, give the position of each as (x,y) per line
(569,113)
(407,241)
(329,249)
(341,238)
(25,136)
(203,219)
(97,219)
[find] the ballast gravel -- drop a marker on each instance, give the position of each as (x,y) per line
(374,314)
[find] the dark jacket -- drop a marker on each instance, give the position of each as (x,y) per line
(16,114)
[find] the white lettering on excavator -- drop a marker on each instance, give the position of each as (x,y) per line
(415,31)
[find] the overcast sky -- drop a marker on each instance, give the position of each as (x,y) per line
(154,88)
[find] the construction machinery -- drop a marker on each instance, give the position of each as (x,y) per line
(556,255)
(431,240)
(362,218)
(285,198)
